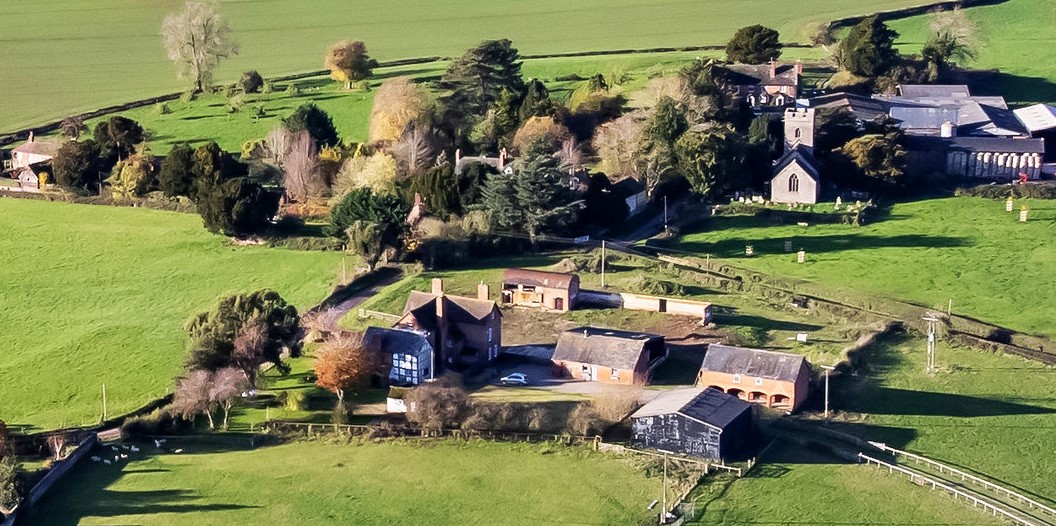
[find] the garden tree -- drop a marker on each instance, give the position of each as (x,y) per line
(250,350)
(438,405)
(316,121)
(666,124)
(711,160)
(941,53)
(955,23)
(301,176)
(540,130)
(879,159)
(76,166)
(754,45)
(174,177)
(766,135)
(417,148)
(711,95)
(439,188)
(616,142)
(869,49)
(212,334)
(117,138)
(387,211)
(72,127)
(474,82)
(536,101)
(11,480)
(834,129)
(251,81)
(132,177)
(235,207)
(674,87)
(197,39)
(499,122)
(397,103)
(377,172)
(470,183)
(570,155)
(348,62)
(225,388)
(6,447)
(366,240)
(656,144)
(602,207)
(588,89)
(191,397)
(343,365)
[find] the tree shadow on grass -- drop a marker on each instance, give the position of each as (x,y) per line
(735,248)
(892,401)
(747,320)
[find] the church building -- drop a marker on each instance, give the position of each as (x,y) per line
(795,175)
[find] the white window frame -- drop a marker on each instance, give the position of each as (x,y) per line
(736,378)
(615,375)
(758,381)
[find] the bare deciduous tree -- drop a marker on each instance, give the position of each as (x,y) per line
(250,350)
(192,396)
(57,446)
(197,39)
(277,144)
(416,149)
(348,62)
(302,177)
(225,388)
(73,126)
(397,103)
(570,155)
(438,405)
(615,143)
(377,172)
(955,23)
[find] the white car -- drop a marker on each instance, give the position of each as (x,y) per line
(514,379)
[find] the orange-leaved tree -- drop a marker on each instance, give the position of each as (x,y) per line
(343,364)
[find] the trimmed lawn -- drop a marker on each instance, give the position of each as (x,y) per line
(446,482)
(965,248)
(71,56)
(95,294)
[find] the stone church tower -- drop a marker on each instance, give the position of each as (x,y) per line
(799,128)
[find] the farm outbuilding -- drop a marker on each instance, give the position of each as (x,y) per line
(771,379)
(536,288)
(697,422)
(609,356)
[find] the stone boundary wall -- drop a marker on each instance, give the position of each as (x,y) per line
(630,301)
(907,12)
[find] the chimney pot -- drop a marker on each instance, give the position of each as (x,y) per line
(438,287)
(31,136)
(773,68)
(482,291)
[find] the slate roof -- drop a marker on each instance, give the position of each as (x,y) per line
(709,406)
(539,278)
(864,108)
(606,347)
(1038,117)
(934,90)
(753,362)
(392,341)
(806,161)
(458,309)
(975,144)
(750,75)
(627,187)
(49,148)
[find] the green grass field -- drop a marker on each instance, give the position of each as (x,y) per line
(95,294)
(69,56)
(446,482)
(966,249)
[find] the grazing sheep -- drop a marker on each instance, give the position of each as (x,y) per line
(124,456)
(96,459)
(178,451)
(107,462)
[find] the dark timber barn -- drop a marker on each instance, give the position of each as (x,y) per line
(703,423)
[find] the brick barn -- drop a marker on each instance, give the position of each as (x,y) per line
(609,356)
(536,288)
(771,379)
(703,423)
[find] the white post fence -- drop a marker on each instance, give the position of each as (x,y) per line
(967,477)
(924,480)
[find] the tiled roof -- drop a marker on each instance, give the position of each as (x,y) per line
(606,347)
(539,278)
(753,362)
(805,158)
(48,148)
(749,74)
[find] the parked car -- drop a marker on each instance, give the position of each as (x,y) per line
(514,379)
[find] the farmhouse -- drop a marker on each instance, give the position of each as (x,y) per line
(697,422)
(796,179)
(536,288)
(609,356)
(632,192)
(772,379)
(33,152)
(466,332)
(31,178)
(409,354)
(772,84)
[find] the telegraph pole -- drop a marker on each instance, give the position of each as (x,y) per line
(931,319)
(828,369)
(104,402)
(665,212)
(602,263)
(663,507)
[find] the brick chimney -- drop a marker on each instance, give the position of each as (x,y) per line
(458,155)
(799,68)
(482,291)
(31,136)
(438,287)
(773,68)
(502,159)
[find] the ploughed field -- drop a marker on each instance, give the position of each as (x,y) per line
(94,294)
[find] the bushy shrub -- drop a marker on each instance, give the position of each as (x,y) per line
(162,108)
(296,401)
(159,422)
(251,81)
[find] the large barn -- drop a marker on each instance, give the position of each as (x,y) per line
(697,422)
(771,379)
(536,288)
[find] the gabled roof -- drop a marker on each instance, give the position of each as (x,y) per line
(627,187)
(864,108)
(1038,117)
(753,362)
(802,156)
(539,278)
(751,74)
(49,148)
(975,144)
(934,90)
(707,406)
(392,341)
(458,309)
(606,347)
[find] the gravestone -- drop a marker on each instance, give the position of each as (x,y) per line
(1008,204)
(1023,215)
(788,246)
(749,250)
(801,256)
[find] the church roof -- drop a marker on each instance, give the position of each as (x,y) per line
(802,156)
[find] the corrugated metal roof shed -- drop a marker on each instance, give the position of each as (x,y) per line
(1038,117)
(709,406)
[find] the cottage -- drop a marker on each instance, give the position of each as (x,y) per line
(33,152)
(609,356)
(773,84)
(632,192)
(466,332)
(772,379)
(536,288)
(501,163)
(410,355)
(697,422)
